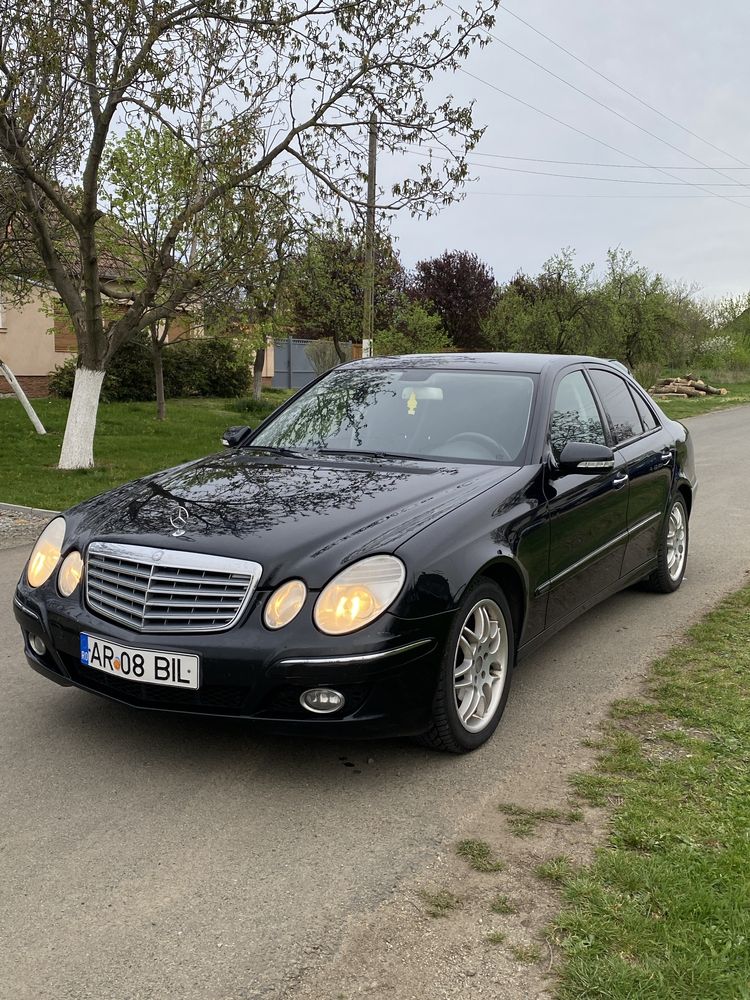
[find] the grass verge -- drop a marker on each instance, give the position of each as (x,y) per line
(664,911)
(130,442)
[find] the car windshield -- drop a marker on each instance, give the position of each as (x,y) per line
(465,416)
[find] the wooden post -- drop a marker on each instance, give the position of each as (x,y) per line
(368,282)
(30,412)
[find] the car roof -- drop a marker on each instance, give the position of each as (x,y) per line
(492,361)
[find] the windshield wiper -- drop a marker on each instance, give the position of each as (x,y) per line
(274,449)
(359,453)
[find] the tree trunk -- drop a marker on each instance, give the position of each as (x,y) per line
(78,442)
(161,406)
(258,363)
(338,348)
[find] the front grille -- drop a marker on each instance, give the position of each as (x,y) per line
(163,590)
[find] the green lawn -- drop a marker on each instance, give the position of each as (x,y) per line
(664,911)
(130,442)
(678,409)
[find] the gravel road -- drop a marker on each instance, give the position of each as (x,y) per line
(145,856)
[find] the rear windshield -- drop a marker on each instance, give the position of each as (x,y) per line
(465,416)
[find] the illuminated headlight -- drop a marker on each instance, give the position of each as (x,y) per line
(70,573)
(284,604)
(359,594)
(46,553)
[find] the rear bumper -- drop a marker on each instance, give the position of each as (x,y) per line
(388,688)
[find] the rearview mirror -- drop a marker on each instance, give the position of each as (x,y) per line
(585,459)
(233,435)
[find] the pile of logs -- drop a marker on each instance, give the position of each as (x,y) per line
(684,387)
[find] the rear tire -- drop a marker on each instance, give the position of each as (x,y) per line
(475,672)
(673,550)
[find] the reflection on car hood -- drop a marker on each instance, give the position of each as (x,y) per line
(303,516)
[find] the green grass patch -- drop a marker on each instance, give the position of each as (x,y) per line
(527,953)
(558,870)
(130,442)
(478,854)
(524,822)
(664,911)
(502,905)
(440,903)
(679,409)
(495,937)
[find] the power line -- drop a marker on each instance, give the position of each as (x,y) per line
(595,100)
(624,90)
(581,177)
(589,163)
(587,135)
(641,197)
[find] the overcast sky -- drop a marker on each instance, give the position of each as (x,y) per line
(689,60)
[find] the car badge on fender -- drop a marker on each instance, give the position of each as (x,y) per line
(179,521)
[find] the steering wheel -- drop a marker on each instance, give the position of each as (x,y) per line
(484,441)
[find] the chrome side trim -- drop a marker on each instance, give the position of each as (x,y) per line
(327,661)
(591,557)
(639,525)
(22,607)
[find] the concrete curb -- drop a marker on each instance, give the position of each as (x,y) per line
(15,508)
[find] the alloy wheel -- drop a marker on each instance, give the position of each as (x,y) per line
(481,665)
(676,541)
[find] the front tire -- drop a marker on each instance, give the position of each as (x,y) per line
(475,672)
(673,550)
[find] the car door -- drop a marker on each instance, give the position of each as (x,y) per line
(588,513)
(649,453)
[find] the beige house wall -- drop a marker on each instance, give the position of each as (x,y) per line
(27,344)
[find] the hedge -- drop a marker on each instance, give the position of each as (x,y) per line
(206,366)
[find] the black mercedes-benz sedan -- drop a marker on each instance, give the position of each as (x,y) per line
(373,558)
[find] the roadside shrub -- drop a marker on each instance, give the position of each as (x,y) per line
(206,366)
(414,331)
(647,374)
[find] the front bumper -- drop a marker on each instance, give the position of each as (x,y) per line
(387,672)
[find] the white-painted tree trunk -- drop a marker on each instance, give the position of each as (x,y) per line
(78,442)
(22,399)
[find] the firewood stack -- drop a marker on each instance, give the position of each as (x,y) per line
(684,387)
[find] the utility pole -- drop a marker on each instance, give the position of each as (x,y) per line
(368,282)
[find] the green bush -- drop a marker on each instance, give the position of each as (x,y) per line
(206,366)
(414,331)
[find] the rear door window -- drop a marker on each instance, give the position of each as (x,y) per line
(619,408)
(648,420)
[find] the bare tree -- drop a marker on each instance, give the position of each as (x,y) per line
(248,86)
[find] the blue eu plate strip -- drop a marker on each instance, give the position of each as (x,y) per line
(84,648)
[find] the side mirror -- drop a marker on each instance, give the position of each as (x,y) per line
(233,436)
(585,459)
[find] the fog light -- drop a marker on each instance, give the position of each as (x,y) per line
(322,700)
(37,644)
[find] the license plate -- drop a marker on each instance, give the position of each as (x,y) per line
(150,666)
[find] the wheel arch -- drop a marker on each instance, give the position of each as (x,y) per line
(508,576)
(685,491)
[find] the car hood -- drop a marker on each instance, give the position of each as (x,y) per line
(293,516)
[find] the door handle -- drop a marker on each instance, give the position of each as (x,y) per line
(666,456)
(619,481)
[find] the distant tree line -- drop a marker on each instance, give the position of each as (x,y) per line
(453,302)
